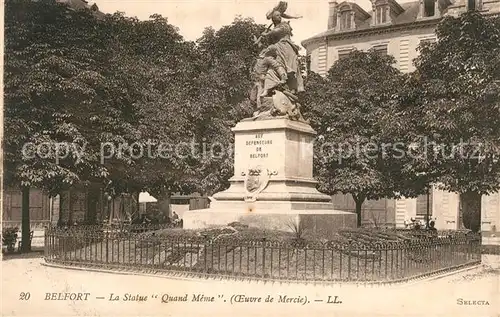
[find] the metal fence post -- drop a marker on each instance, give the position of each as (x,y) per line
(45,244)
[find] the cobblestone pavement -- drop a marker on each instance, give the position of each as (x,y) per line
(452,295)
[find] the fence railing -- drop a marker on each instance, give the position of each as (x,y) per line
(335,261)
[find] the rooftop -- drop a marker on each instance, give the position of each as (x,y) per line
(408,16)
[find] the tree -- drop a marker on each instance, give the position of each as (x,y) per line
(163,64)
(353,112)
(456,109)
(172,72)
(208,95)
(64,98)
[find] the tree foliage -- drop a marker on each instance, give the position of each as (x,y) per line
(163,65)
(65,95)
(456,104)
(63,86)
(354,113)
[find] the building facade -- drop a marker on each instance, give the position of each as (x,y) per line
(76,205)
(86,205)
(389,27)
(40,207)
(398,29)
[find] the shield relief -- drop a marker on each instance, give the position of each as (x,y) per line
(256,181)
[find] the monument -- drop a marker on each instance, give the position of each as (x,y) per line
(273,185)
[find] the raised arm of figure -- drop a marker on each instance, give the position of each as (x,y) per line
(289,16)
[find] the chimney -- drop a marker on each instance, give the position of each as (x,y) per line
(332,14)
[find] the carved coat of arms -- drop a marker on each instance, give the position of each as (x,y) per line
(256,181)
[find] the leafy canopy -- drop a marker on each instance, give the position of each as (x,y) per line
(455,104)
(353,110)
(63,84)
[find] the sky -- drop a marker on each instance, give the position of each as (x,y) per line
(192,16)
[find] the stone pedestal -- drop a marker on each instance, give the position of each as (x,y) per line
(273,184)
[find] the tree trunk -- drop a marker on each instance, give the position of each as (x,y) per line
(93,199)
(427,208)
(137,207)
(25,222)
(164,205)
(59,198)
(102,206)
(111,209)
(471,210)
(359,200)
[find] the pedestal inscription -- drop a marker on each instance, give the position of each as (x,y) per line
(260,144)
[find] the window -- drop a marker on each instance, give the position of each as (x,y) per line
(344,53)
(381,14)
(345,16)
(345,20)
(429,8)
(471,5)
(422,205)
(380,49)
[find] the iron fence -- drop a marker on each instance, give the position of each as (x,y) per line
(361,260)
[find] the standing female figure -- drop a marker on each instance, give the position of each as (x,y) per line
(287,51)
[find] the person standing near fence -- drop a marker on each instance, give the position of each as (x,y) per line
(175,218)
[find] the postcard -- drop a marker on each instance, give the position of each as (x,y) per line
(250,158)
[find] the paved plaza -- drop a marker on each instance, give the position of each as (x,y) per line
(452,295)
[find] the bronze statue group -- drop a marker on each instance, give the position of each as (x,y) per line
(277,71)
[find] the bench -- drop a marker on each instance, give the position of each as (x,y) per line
(20,245)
